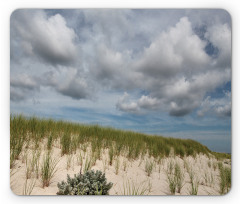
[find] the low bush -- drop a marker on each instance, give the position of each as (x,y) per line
(89,183)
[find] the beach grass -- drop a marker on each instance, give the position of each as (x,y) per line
(33,139)
(24,129)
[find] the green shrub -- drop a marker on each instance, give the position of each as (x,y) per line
(89,183)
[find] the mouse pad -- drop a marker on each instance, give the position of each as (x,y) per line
(120,102)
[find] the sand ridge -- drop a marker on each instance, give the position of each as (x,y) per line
(127,173)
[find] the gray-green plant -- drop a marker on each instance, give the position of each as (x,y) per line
(89,183)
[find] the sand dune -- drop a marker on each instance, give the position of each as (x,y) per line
(203,168)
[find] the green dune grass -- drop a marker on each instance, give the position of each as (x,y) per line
(32,130)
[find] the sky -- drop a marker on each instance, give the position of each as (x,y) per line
(157,71)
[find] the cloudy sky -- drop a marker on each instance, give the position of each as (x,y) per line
(163,72)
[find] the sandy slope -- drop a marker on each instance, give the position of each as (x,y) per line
(135,172)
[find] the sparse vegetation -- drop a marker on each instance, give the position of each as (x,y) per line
(208,178)
(172,183)
(130,187)
(117,165)
(89,144)
(149,167)
(124,165)
(80,159)
(69,161)
(225,179)
(49,142)
(194,188)
(104,163)
(87,164)
(179,174)
(48,169)
(175,177)
(66,143)
(194,182)
(23,130)
(111,156)
(28,187)
(209,164)
(32,164)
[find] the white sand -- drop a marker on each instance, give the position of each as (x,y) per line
(135,173)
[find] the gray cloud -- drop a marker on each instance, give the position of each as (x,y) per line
(67,82)
(174,51)
(177,72)
(74,86)
(16,96)
(34,34)
(24,81)
(220,36)
(160,57)
(22,86)
(220,107)
(113,69)
(123,104)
